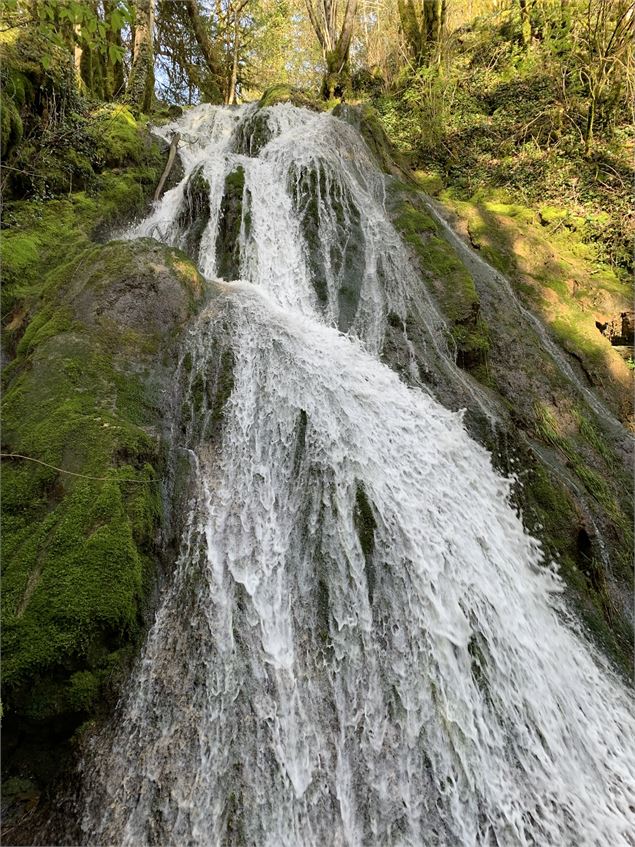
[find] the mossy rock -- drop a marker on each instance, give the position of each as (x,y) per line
(366,120)
(11,123)
(253,134)
(87,398)
(40,234)
(450,281)
(229,225)
(288,94)
(194,214)
(330,222)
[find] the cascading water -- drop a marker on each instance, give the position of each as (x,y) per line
(360,645)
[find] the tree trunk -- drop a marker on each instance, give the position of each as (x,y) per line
(204,42)
(588,130)
(140,89)
(334,49)
(114,79)
(77,57)
(231,94)
(411,28)
(422,27)
(344,41)
(525,22)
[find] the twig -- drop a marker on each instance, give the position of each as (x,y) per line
(72,473)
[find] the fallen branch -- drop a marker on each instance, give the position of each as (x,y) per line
(166,173)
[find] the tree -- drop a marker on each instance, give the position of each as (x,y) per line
(234,30)
(525,22)
(140,87)
(207,48)
(335,41)
(422,24)
(114,81)
(185,74)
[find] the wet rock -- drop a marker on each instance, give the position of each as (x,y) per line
(253,134)
(194,214)
(230,221)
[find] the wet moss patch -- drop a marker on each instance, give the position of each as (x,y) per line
(229,226)
(283,93)
(194,215)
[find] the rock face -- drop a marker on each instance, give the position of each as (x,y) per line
(619,330)
(92,398)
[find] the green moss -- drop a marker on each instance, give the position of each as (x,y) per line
(83,691)
(288,94)
(39,235)
(11,125)
(430,181)
(79,531)
(452,283)
(551,514)
(592,435)
(544,256)
(118,135)
(72,547)
(368,123)
(587,467)
(413,222)
(365,522)
(577,338)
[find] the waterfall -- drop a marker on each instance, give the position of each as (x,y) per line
(360,645)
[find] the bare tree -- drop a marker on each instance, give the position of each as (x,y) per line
(334,38)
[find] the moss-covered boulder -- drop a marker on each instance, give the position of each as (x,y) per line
(88,403)
(283,93)
(40,234)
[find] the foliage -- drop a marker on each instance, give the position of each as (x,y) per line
(122,168)
(60,23)
(497,113)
